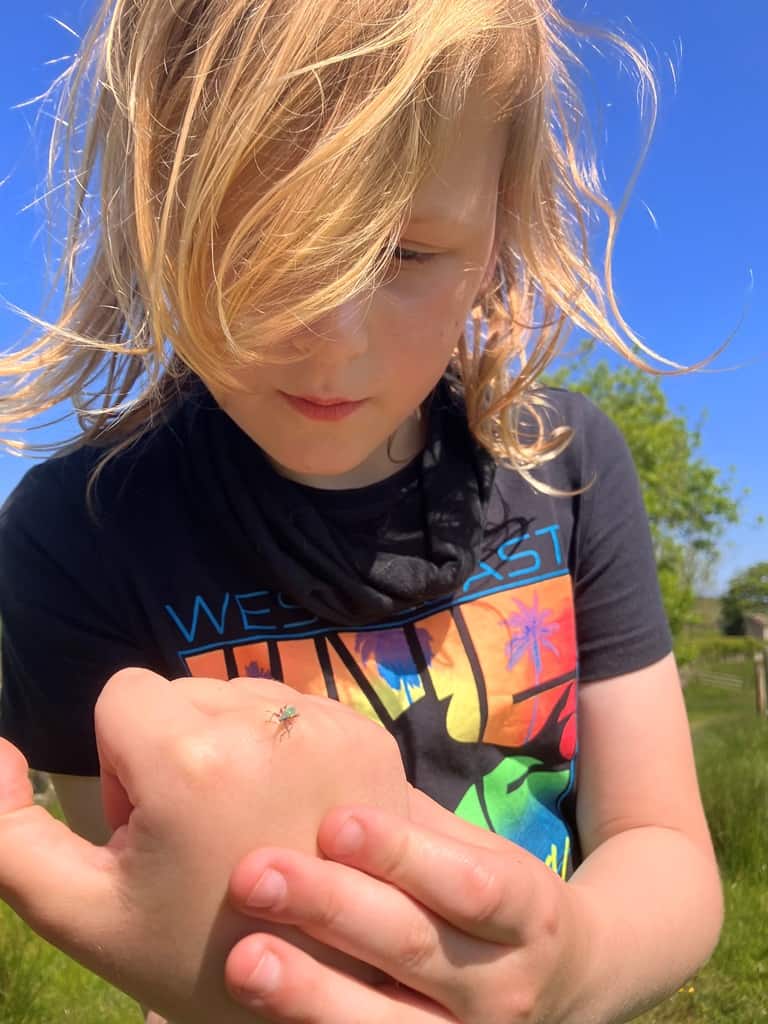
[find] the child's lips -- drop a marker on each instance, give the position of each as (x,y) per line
(328,409)
(327,401)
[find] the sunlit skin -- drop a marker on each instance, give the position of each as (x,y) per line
(387,348)
(469,927)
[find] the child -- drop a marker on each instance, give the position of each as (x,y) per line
(335,246)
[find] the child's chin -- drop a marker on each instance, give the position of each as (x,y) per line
(328,470)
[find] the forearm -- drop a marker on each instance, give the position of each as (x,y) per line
(653,901)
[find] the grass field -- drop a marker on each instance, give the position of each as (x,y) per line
(732,757)
(38,985)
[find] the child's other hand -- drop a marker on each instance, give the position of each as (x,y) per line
(194,775)
(480,931)
(477,929)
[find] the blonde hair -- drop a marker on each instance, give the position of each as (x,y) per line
(316,120)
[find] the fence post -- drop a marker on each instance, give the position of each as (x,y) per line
(761,698)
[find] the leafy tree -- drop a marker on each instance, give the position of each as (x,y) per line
(747,592)
(688,503)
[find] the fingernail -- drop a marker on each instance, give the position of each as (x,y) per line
(349,838)
(268,891)
(265,978)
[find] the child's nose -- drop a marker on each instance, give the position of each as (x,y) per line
(342,334)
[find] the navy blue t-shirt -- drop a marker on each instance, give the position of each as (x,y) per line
(455,603)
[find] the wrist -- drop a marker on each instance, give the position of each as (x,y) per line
(626,963)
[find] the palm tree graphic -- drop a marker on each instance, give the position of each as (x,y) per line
(530,634)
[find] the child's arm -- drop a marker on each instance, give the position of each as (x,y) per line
(638,917)
(649,871)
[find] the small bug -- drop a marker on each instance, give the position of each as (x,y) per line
(284,718)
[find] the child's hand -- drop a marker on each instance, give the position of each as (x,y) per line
(194,775)
(477,929)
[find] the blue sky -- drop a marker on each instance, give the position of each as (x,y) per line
(691,263)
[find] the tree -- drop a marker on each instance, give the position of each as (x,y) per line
(747,592)
(688,503)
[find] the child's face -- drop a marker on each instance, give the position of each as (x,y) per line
(383,352)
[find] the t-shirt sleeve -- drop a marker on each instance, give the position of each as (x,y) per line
(62,633)
(621,624)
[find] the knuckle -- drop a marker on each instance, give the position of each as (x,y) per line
(417,947)
(117,684)
(483,893)
(197,757)
(517,1004)
(328,912)
(522,1006)
(546,909)
(126,676)
(551,917)
(394,855)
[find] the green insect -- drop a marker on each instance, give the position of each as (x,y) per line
(284,718)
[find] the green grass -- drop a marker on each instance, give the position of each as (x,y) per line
(733,987)
(707,703)
(731,746)
(39,985)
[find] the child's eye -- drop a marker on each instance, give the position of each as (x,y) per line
(411,256)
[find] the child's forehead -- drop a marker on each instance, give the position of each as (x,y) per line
(459,191)
(463,184)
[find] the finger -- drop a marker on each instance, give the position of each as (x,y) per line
(336,904)
(488,893)
(115,800)
(128,734)
(137,715)
(275,979)
(47,873)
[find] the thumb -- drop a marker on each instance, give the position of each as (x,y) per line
(59,883)
(15,787)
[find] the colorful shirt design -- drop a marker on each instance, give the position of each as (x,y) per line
(485,681)
(183,573)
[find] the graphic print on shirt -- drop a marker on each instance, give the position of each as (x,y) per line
(479,692)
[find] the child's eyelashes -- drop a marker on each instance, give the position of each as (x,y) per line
(403,255)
